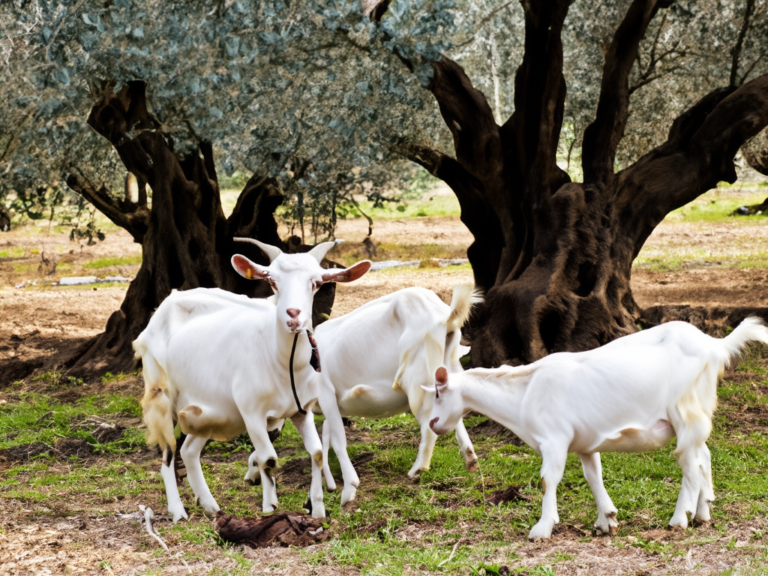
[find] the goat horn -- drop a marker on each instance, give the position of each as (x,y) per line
(272,252)
(321,250)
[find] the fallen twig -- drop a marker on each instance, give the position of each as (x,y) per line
(148,516)
(455,546)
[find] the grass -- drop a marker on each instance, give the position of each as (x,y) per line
(716,206)
(42,418)
(671,258)
(102,263)
(399,526)
(430,205)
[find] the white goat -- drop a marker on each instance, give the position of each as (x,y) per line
(380,355)
(632,395)
(219,364)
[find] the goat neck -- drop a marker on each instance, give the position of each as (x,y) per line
(493,393)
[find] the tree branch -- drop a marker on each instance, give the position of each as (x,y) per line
(699,153)
(533,130)
(129,215)
(466,113)
(736,51)
(751,67)
(602,137)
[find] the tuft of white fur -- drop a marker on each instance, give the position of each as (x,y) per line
(751,329)
(157,403)
(464,296)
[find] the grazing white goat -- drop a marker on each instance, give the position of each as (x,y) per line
(632,395)
(219,364)
(380,355)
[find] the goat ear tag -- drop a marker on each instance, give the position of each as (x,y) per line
(248,269)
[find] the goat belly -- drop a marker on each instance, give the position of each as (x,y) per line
(635,439)
(211,421)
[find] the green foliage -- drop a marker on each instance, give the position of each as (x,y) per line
(315,94)
(286,89)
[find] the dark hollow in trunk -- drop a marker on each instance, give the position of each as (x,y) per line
(554,257)
(186,240)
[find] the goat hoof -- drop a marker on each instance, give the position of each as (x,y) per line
(472,466)
(348,495)
(415,475)
(698,522)
(308,506)
(540,531)
(253,481)
(179,514)
(317,511)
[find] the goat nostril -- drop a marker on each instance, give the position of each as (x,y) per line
(293,312)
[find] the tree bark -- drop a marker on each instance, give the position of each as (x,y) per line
(755,152)
(554,257)
(186,240)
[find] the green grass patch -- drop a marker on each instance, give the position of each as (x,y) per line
(430,204)
(13,252)
(109,378)
(113,262)
(42,418)
(718,205)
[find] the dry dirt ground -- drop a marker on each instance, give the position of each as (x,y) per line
(86,537)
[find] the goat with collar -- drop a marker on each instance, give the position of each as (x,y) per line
(220,364)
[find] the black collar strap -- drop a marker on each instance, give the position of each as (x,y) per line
(314,362)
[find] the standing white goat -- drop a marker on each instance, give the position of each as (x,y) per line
(380,355)
(219,364)
(632,395)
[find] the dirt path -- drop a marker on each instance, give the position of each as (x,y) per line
(89,542)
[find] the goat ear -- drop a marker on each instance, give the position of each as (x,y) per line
(321,250)
(272,252)
(426,388)
(349,274)
(248,269)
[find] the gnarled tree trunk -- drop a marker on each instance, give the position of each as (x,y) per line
(555,257)
(186,240)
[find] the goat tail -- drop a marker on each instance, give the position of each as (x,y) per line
(464,295)
(697,404)
(751,329)
(157,403)
(139,347)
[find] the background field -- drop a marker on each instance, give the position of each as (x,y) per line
(64,474)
